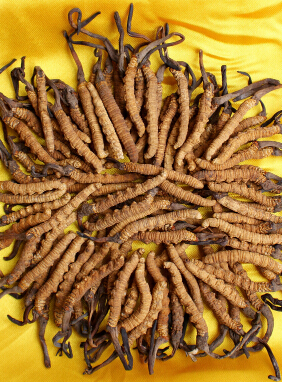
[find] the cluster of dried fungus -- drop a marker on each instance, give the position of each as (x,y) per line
(185,152)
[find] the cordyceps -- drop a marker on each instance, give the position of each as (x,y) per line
(205,111)
(88,107)
(148,169)
(91,276)
(25,134)
(151,104)
(42,109)
(70,134)
(235,120)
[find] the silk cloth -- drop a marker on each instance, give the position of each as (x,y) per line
(244,35)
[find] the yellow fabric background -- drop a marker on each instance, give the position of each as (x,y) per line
(244,35)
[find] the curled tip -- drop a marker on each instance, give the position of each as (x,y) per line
(275,118)
(7,65)
(79,17)
(14,321)
(203,71)
(246,74)
(273,360)
(128,27)
(263,109)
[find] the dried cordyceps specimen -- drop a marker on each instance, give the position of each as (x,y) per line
(120,215)
(116,116)
(95,261)
(252,152)
(148,169)
(89,177)
(219,285)
(170,150)
(93,280)
(244,191)
(247,136)
(131,105)
(183,101)
(155,206)
(235,174)
(249,122)
(235,120)
(106,124)
(164,129)
(235,255)
(189,277)
(242,234)
(247,209)
(151,107)
(130,301)
(75,112)
(30,189)
(188,196)
(219,311)
(173,237)
(163,317)
(155,307)
(42,109)
(23,262)
(25,134)
(69,278)
(195,316)
(44,265)
(7,237)
(56,277)
(88,107)
(119,197)
(120,287)
(51,237)
(63,212)
(150,223)
(145,302)
(205,111)
(243,282)
(29,118)
(145,295)
(232,217)
(116,298)
(245,246)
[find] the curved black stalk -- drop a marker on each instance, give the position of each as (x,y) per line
(42,326)
(109,47)
(277,376)
(276,116)
(223,330)
(274,303)
(247,91)
(144,55)
(63,347)
(203,71)
(79,17)
(105,363)
(114,336)
(17,76)
(26,320)
(120,43)
(15,250)
(98,351)
(128,27)
(7,65)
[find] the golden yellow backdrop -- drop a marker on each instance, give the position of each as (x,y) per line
(244,35)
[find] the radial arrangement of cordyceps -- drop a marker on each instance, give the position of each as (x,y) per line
(183,151)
